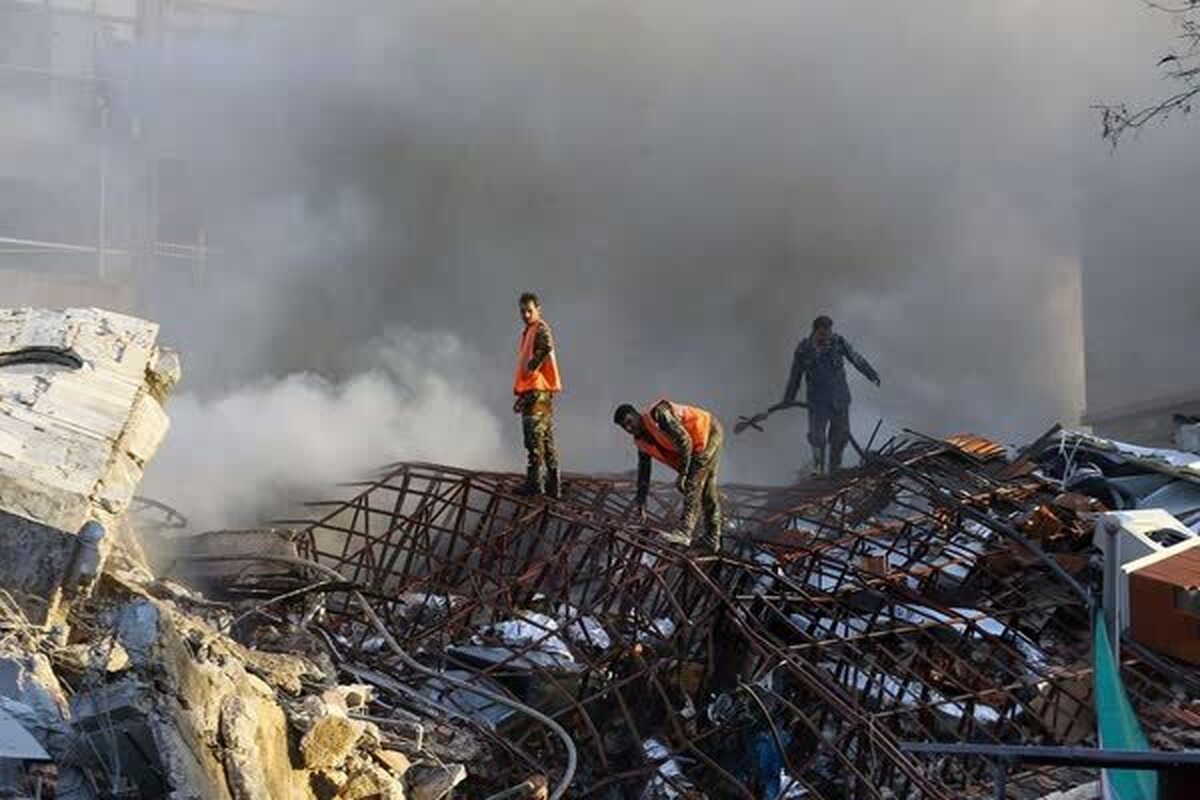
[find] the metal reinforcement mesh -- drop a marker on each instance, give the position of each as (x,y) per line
(897,602)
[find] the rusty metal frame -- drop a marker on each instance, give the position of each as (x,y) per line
(853,613)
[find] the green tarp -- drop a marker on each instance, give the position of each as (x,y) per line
(1118,725)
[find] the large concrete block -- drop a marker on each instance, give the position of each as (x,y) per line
(80,416)
(75,391)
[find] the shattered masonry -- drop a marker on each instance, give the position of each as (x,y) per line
(128,684)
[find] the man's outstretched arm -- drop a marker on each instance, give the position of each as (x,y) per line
(643,480)
(860,363)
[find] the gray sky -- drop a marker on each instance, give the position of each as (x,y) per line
(687,184)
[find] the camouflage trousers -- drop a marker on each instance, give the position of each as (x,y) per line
(703,494)
(538,432)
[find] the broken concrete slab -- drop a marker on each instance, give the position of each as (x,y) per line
(258,762)
(396,763)
(243,769)
(176,706)
(434,783)
(348,697)
(29,678)
(78,423)
(78,398)
(108,657)
(372,782)
(330,741)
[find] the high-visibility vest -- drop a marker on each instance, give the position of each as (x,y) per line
(696,421)
(543,379)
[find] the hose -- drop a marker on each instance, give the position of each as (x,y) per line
(572,756)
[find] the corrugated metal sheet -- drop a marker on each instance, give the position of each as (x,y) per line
(977,446)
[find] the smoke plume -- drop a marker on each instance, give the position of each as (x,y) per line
(686,185)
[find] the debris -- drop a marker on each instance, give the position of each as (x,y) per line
(131,685)
(880,595)
(668,782)
(330,741)
(1164,600)
(935,593)
(243,764)
(372,782)
(398,763)
(433,783)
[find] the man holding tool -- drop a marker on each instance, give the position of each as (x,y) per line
(821,358)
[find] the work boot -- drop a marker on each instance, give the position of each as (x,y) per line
(835,459)
(818,459)
(532,487)
(710,543)
(553,486)
(677,536)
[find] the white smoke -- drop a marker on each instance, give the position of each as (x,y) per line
(235,456)
(687,184)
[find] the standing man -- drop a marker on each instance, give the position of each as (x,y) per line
(821,358)
(688,440)
(535,383)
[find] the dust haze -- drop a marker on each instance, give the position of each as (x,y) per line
(686,184)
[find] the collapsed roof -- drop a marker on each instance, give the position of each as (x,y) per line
(937,594)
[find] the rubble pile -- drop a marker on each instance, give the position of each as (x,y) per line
(118,684)
(433,635)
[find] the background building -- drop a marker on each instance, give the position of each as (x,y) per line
(94,189)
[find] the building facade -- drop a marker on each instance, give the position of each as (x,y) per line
(93,190)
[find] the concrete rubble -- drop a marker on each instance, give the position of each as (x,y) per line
(135,686)
(433,636)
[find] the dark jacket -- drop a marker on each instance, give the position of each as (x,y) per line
(825,371)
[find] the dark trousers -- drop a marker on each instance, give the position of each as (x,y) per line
(832,426)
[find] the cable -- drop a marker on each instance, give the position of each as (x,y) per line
(417,666)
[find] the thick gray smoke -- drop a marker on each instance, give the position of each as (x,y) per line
(685,183)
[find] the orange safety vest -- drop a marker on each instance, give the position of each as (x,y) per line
(545,378)
(696,421)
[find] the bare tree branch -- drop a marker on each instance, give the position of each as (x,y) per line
(1181,67)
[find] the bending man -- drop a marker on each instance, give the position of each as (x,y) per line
(688,440)
(821,359)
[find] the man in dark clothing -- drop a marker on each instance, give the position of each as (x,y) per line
(821,359)
(687,439)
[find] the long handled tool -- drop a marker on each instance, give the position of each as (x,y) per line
(758,419)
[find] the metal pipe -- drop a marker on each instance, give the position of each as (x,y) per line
(417,666)
(1061,756)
